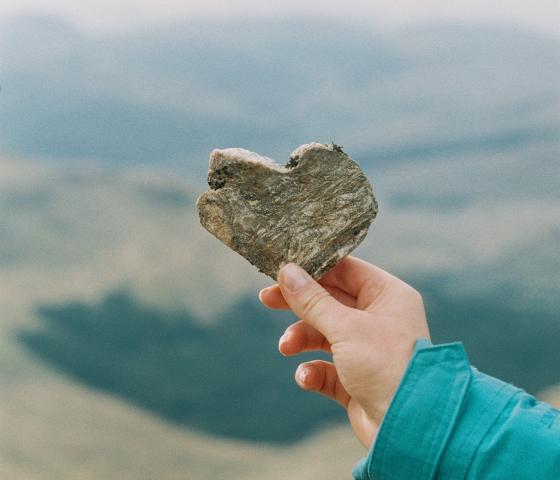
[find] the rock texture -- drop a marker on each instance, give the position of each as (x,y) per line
(313,211)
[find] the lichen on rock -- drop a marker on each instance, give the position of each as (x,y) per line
(313,211)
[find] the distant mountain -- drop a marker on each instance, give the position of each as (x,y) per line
(169,96)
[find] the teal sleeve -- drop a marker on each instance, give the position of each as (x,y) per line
(449,421)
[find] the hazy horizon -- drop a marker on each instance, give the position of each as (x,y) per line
(542,16)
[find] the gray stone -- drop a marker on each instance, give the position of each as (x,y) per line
(313,211)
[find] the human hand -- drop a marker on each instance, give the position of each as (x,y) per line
(367,318)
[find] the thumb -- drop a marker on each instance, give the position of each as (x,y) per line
(309,300)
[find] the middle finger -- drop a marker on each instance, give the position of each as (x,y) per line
(302,337)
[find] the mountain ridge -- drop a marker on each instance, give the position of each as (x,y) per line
(167,97)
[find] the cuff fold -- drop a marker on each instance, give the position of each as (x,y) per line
(422,415)
(439,415)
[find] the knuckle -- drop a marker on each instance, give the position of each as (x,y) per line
(323,378)
(415,295)
(314,301)
(411,292)
(376,288)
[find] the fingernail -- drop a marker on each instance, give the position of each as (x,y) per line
(292,277)
(263,290)
(302,374)
(282,341)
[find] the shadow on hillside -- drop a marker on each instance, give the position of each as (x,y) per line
(229,379)
(225,379)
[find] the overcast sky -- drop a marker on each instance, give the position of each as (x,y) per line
(542,15)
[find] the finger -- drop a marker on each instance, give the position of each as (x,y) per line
(321,377)
(310,301)
(302,337)
(340,295)
(358,278)
(272,297)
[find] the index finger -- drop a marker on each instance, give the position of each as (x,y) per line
(272,297)
(357,278)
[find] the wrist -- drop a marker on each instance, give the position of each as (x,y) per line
(380,400)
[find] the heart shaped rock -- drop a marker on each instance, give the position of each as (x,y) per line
(313,212)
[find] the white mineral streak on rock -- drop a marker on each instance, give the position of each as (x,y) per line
(299,151)
(221,157)
(313,211)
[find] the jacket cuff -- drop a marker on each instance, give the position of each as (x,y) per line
(422,433)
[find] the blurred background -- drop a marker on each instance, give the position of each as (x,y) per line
(132,343)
